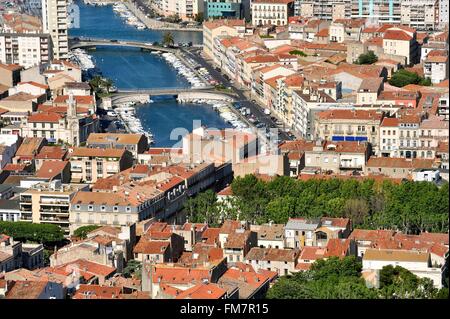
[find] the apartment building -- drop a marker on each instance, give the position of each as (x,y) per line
(219,146)
(377,11)
(310,100)
(25,49)
(222,28)
(135,143)
(420,14)
(323,9)
(349,125)
(274,12)
(337,157)
(185,9)
(48,203)
(389,137)
(114,208)
(227,9)
(55,22)
(15,255)
(89,164)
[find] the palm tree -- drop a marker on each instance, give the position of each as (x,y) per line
(95,83)
(168,39)
(107,84)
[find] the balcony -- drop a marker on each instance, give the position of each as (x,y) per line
(361,132)
(349,165)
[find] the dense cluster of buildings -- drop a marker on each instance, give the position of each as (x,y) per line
(196,261)
(423,14)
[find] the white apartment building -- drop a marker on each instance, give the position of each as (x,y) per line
(420,14)
(54,20)
(185,9)
(26,49)
(274,12)
(323,9)
(443,13)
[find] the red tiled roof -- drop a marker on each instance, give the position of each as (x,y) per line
(397,35)
(45,118)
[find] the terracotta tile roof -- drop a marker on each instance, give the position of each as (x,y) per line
(400,162)
(89,267)
(396,255)
(151,247)
(45,118)
(179,275)
(96,152)
(203,291)
(15,167)
(322,33)
(51,152)
(390,122)
(39,85)
(11,67)
(337,247)
(312,253)
(371,235)
(350,114)
(436,59)
(51,169)
(20,96)
(397,35)
(237,239)
(211,236)
(227,191)
(262,59)
(272,254)
(30,146)
(96,292)
(80,99)
(26,289)
(229,226)
(224,22)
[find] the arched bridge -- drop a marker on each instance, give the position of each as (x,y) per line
(208,93)
(81,43)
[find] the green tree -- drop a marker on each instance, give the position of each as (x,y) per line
(203,208)
(46,234)
(82,231)
(133,268)
(199,17)
(403,77)
(297,52)
(333,278)
(367,58)
(168,39)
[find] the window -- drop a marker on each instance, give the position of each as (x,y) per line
(115,208)
(90,208)
(103,208)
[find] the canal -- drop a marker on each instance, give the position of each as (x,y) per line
(133,69)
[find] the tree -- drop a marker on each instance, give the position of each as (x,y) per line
(46,234)
(297,52)
(333,278)
(168,39)
(108,83)
(199,17)
(403,77)
(133,268)
(204,208)
(82,231)
(399,283)
(367,58)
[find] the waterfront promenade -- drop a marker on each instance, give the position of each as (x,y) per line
(158,25)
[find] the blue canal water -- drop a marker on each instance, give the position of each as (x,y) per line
(132,69)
